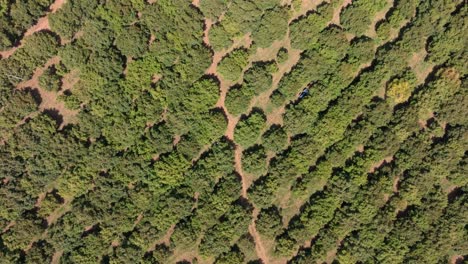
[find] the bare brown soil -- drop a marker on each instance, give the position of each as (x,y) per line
(40,198)
(49,99)
(12,223)
(232,120)
(115,243)
(331,255)
(395,184)
(224,84)
(378,16)
(208,24)
(166,239)
(307,5)
(360,148)
(59,212)
(176,140)
(377,165)
(127,62)
(41,24)
(238,167)
(56,257)
(70,79)
(56,5)
(336,13)
(196,3)
(420,67)
(457,259)
(262,54)
(261,253)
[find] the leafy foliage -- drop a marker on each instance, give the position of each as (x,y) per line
(249,129)
(141,157)
(232,65)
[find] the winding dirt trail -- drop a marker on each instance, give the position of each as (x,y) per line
(259,248)
(224,87)
(232,122)
(41,24)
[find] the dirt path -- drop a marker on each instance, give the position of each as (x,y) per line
(420,67)
(378,164)
(69,80)
(49,99)
(59,212)
(166,239)
(232,121)
(224,85)
(377,17)
(275,116)
(41,24)
(457,259)
(12,223)
(259,248)
(208,24)
(336,13)
(56,257)
(306,6)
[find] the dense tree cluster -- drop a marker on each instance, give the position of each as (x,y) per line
(120,142)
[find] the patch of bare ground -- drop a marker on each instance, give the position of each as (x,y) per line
(457,259)
(77,35)
(70,79)
(41,24)
(176,140)
(224,84)
(331,255)
(269,245)
(40,198)
(196,3)
(66,206)
(360,148)
(448,186)
(377,17)
(420,67)
(127,62)
(189,255)
(12,223)
(291,205)
(396,184)
(262,54)
(275,116)
(56,5)
(56,257)
(238,166)
(207,27)
(336,13)
(306,5)
(377,165)
(115,243)
(261,253)
(138,219)
(166,239)
(49,99)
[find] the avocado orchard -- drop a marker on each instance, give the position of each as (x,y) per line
(188,143)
